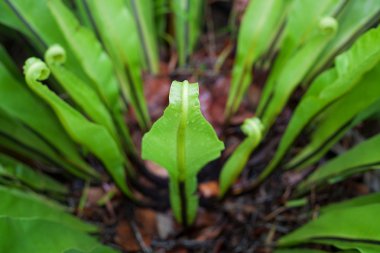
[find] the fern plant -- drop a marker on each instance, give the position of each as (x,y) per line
(182,141)
(85,75)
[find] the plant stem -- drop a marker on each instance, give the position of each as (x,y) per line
(182,194)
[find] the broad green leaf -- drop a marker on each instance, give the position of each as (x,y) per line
(182,126)
(259,20)
(239,158)
(92,136)
(19,103)
(355,224)
(38,181)
(18,204)
(329,87)
(144,16)
(187,26)
(339,118)
(120,36)
(43,236)
(364,156)
(182,142)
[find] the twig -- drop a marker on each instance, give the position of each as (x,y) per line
(138,237)
(130,210)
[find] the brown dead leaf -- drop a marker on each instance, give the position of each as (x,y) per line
(145,219)
(209,189)
(125,237)
(156,169)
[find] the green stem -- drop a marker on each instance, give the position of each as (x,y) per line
(182,195)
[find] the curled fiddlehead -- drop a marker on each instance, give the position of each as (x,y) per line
(55,54)
(35,70)
(254,129)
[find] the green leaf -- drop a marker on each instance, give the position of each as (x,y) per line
(92,136)
(364,156)
(17,204)
(355,17)
(352,246)
(356,202)
(299,251)
(348,228)
(10,19)
(33,235)
(239,158)
(182,142)
(8,63)
(295,69)
(93,59)
(38,181)
(329,87)
(26,17)
(302,25)
(87,99)
(187,26)
(19,103)
(144,16)
(182,126)
(338,118)
(119,34)
(82,48)
(99,249)
(20,140)
(256,31)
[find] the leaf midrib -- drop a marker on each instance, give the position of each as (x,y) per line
(181,132)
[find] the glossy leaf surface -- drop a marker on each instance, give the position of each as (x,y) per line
(182,142)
